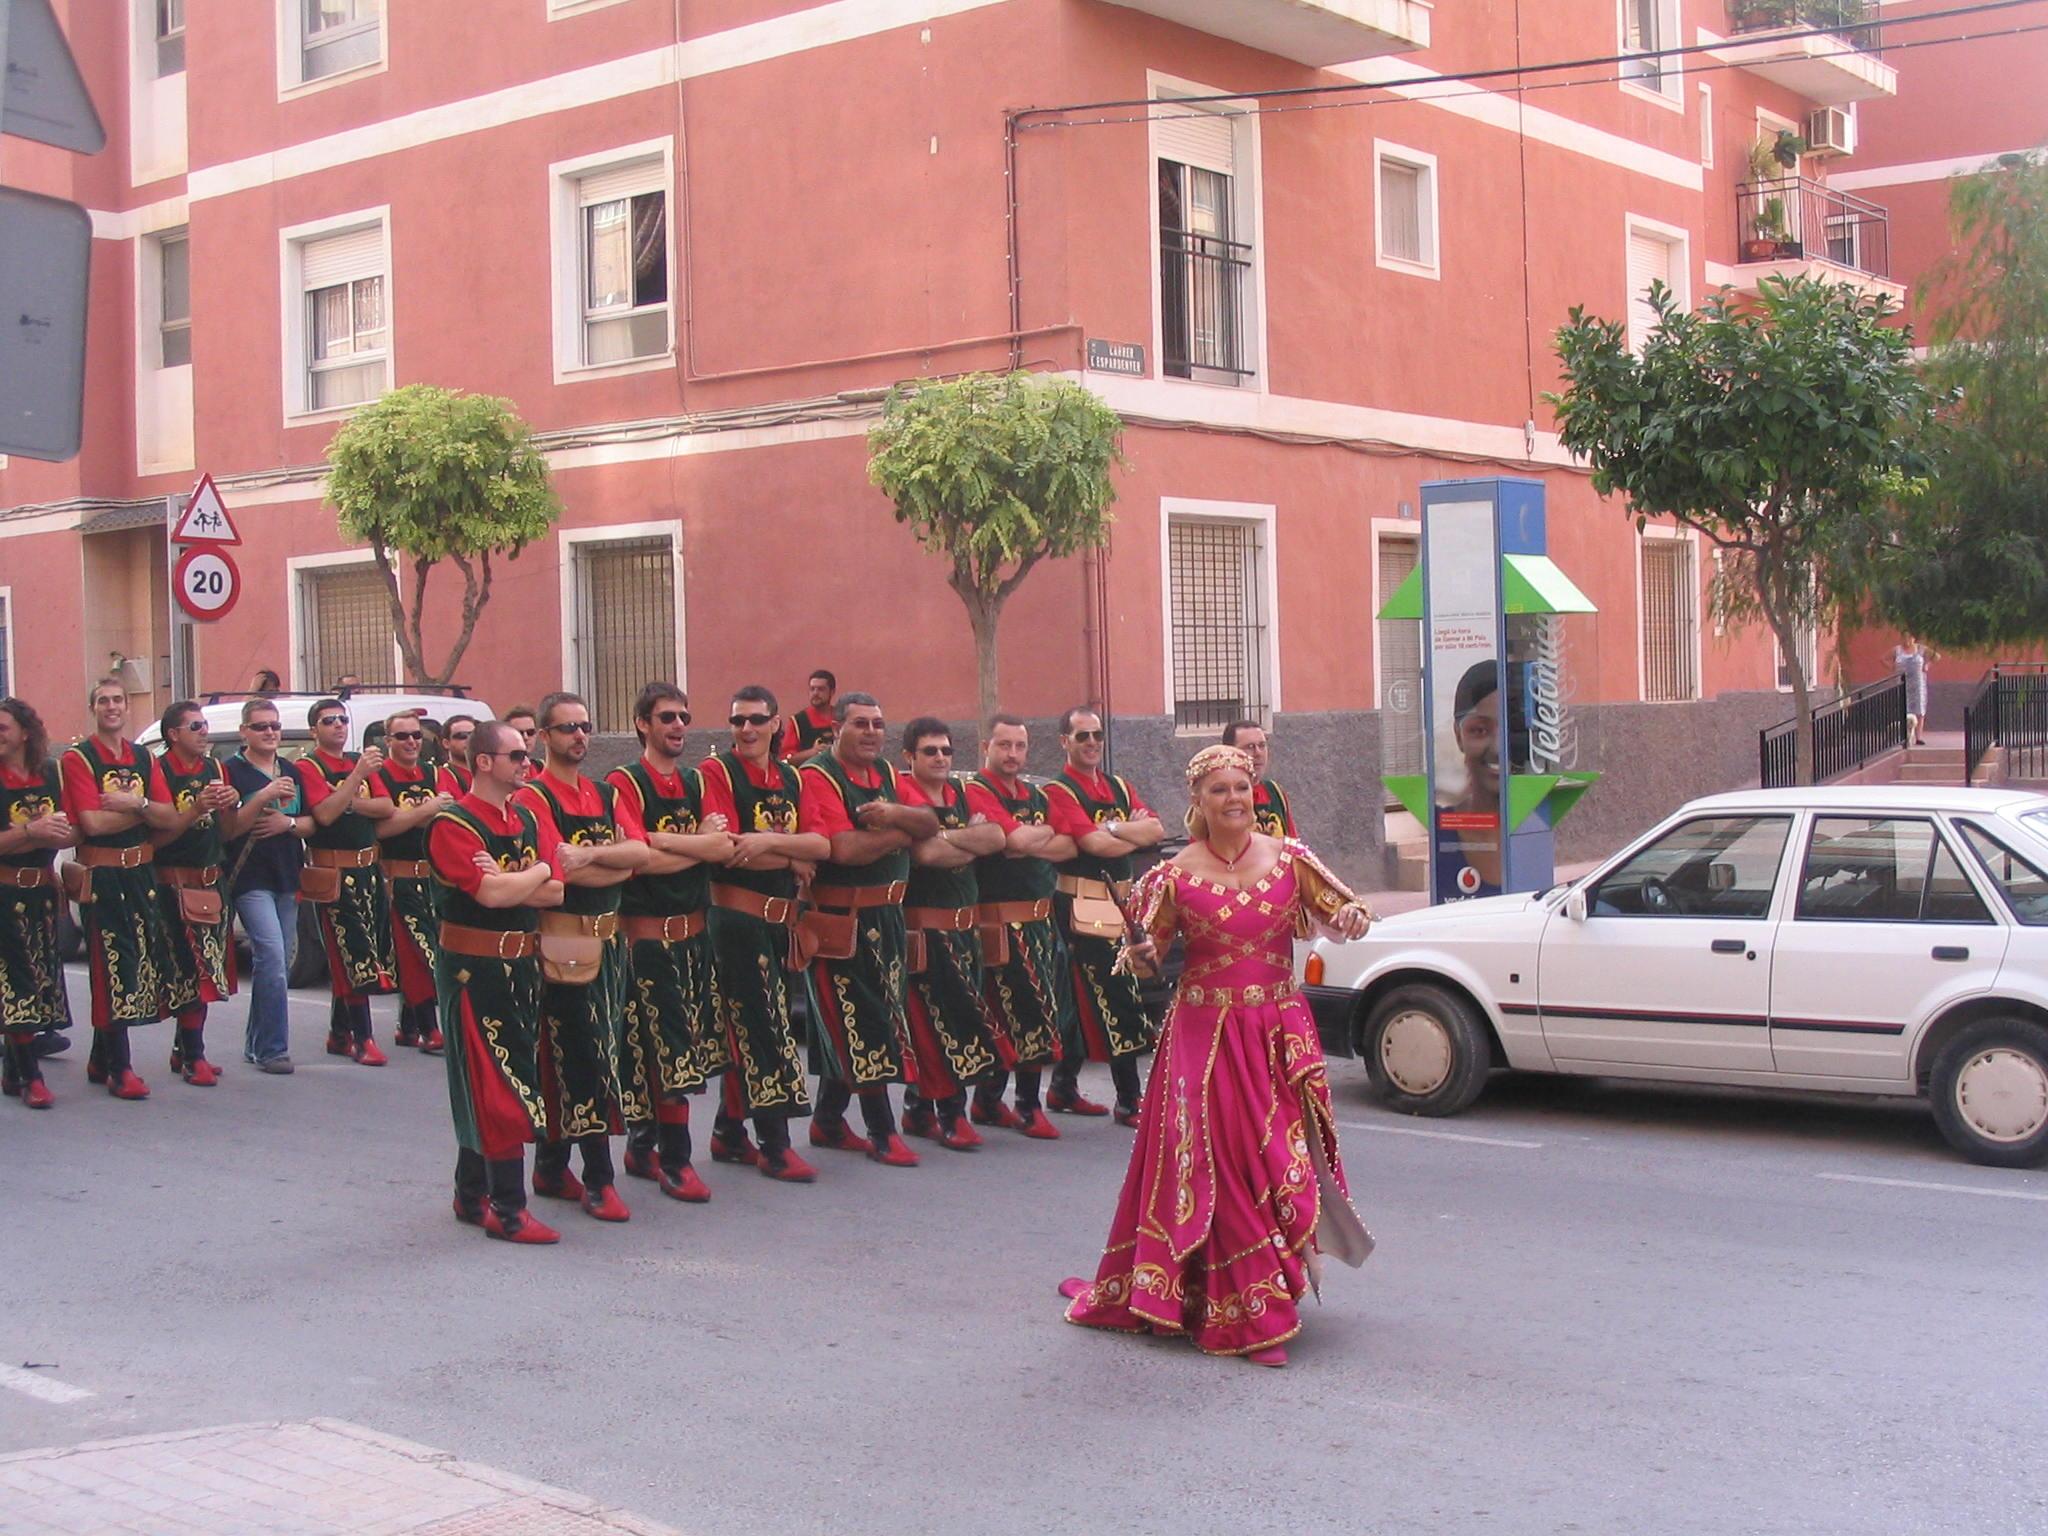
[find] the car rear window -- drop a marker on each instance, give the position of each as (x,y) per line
(2019,879)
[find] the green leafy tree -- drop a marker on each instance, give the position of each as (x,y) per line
(1780,430)
(995,473)
(1971,567)
(428,475)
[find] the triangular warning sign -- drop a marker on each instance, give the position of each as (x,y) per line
(205,519)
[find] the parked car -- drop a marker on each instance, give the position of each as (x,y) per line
(368,708)
(1879,940)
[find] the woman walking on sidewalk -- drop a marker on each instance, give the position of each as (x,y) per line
(1910,661)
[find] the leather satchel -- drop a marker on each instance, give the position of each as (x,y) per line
(1095,917)
(821,935)
(570,959)
(319,883)
(199,905)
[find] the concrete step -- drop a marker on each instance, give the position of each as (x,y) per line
(1947,756)
(1930,773)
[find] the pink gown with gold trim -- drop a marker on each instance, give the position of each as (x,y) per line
(1220,1203)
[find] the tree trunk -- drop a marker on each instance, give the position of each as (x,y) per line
(985,614)
(1802,691)
(408,641)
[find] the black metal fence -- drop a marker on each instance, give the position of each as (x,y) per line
(1855,21)
(1848,732)
(1202,302)
(1789,218)
(2009,709)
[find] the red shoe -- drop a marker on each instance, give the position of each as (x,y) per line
(128,1086)
(557,1186)
(1002,1116)
(1072,1288)
(201,1073)
(405,1035)
(95,1073)
(959,1137)
(519,1228)
(840,1139)
(177,1059)
(684,1184)
(1127,1116)
(1275,1354)
(471,1213)
(924,1124)
(340,1045)
(967,1133)
(433,1043)
(787,1168)
(891,1153)
(36,1094)
(1037,1127)
(1074,1104)
(741,1151)
(640,1164)
(604,1203)
(367,1054)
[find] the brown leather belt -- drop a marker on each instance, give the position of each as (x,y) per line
(663,930)
(488,943)
(856,897)
(770,909)
(993,914)
(406,869)
(1086,885)
(341,858)
(940,919)
(583,925)
(187,875)
(27,877)
(92,856)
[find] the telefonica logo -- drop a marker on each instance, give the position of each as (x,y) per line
(1553,734)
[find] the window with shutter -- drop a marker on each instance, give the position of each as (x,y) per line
(345,619)
(1400,661)
(1203,268)
(1670,621)
(1405,196)
(1651,259)
(347,333)
(1216,596)
(624,626)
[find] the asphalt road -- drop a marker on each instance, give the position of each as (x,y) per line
(1595,1307)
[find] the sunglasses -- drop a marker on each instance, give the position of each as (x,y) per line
(672,717)
(1087,735)
(515,755)
(263,725)
(576,727)
(405,735)
(528,731)
(867,725)
(332,720)
(737,721)
(929,751)
(461,735)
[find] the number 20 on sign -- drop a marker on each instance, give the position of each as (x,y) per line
(207,582)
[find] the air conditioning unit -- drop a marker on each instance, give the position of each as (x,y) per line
(1831,131)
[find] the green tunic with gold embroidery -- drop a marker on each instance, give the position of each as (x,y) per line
(1107,1004)
(199,966)
(1030,995)
(32,996)
(415,904)
(127,940)
(356,925)
(947,993)
(858,1030)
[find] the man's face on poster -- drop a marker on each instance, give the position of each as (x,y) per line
(1479,744)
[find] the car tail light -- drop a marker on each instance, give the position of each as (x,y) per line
(1312,971)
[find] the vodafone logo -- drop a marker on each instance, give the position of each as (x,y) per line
(1468,880)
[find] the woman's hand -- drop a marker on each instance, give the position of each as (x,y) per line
(1350,921)
(1138,959)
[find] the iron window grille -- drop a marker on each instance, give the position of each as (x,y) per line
(1203,274)
(1218,618)
(1670,622)
(347,624)
(624,630)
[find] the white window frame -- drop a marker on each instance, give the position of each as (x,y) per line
(1263,516)
(294,330)
(1813,682)
(1408,528)
(1384,151)
(158,36)
(1248,213)
(1691,537)
(153,291)
(1680,240)
(13,622)
(296,568)
(291,40)
(1669,92)
(567,540)
(565,270)
(560,9)
(1706,126)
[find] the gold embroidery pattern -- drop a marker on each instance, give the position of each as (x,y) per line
(1183,1154)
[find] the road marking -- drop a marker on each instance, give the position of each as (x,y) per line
(31,1384)
(1411,1130)
(1954,1189)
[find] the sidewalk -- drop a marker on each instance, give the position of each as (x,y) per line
(319,1477)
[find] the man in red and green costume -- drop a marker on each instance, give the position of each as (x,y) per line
(402,855)
(870,816)
(355,925)
(1269,801)
(1110,826)
(200,963)
(811,728)
(753,904)
(455,775)
(670,1043)
(115,795)
(33,1000)
(494,880)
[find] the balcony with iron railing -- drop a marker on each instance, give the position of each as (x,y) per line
(1204,287)
(1795,225)
(1825,50)
(1319,32)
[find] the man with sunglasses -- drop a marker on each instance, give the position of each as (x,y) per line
(269,851)
(670,1048)
(870,816)
(1109,824)
(753,903)
(525,719)
(199,965)
(495,877)
(343,880)
(584,983)
(453,776)
(402,855)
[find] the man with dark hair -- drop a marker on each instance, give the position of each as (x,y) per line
(583,960)
(267,855)
(1275,817)
(453,776)
(1110,825)
(525,719)
(199,966)
(1030,982)
(402,854)
(810,730)
(494,877)
(952,1042)
(870,818)
(115,795)
(753,904)
(342,877)
(671,1047)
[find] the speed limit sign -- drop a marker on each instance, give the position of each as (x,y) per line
(207,581)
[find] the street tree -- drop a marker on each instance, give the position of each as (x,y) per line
(994,473)
(425,475)
(1780,429)
(1971,568)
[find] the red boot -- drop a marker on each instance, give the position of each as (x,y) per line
(471,1212)
(562,1185)
(787,1167)
(368,1055)
(1034,1124)
(958,1137)
(1073,1104)
(201,1073)
(741,1151)
(433,1043)
(640,1163)
(604,1203)
(921,1122)
(1001,1116)
(128,1086)
(840,1138)
(684,1184)
(1127,1116)
(95,1073)
(519,1227)
(892,1153)
(340,1045)
(35,1093)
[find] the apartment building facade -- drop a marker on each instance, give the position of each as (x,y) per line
(692,243)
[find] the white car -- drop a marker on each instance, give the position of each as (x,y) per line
(1883,940)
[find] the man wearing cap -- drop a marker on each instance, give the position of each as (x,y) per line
(402,853)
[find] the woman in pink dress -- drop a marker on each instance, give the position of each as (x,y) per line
(1235,1185)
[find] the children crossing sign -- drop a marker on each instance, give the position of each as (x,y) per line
(205,519)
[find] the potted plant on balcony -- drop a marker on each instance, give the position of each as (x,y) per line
(1773,163)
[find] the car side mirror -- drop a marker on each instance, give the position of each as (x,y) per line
(1720,878)
(1575,904)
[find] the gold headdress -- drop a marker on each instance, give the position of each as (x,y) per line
(1209,759)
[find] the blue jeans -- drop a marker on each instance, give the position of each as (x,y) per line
(271,920)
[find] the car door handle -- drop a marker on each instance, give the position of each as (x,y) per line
(1730,946)
(1951,952)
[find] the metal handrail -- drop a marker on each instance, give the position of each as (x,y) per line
(1980,724)
(1790,218)
(1203,303)
(1856,728)
(1854,21)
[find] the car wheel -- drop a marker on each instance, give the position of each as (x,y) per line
(1424,1051)
(309,960)
(1990,1092)
(70,937)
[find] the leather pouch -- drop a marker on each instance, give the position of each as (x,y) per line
(995,943)
(822,935)
(199,905)
(1095,917)
(319,883)
(571,959)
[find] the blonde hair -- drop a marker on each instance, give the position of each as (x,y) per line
(1200,766)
